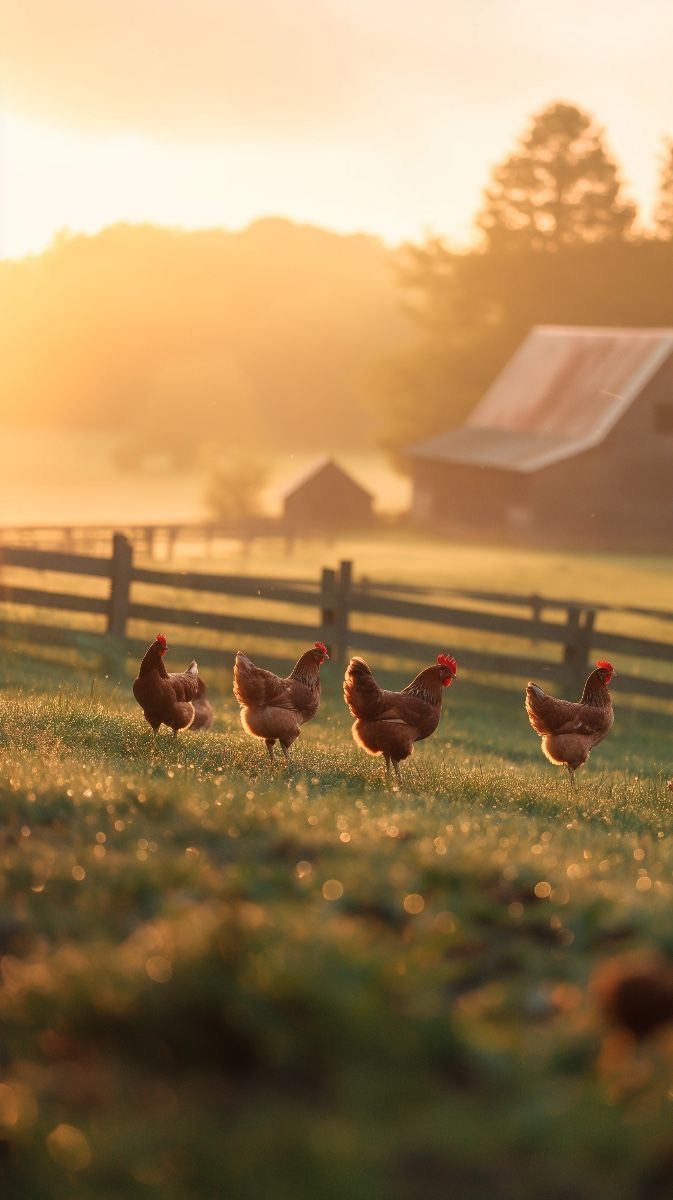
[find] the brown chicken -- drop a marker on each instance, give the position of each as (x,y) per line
(389,723)
(203,709)
(166,699)
(569,729)
(273,708)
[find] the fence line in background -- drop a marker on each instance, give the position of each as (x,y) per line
(337,600)
(159,541)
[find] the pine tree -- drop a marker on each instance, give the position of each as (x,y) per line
(663,213)
(559,187)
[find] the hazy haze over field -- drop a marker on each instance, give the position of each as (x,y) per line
(382,116)
(136,137)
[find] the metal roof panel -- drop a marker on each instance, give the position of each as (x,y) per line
(561,392)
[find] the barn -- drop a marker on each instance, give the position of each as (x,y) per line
(328,498)
(572,443)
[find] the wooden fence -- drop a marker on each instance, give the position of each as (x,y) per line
(160,541)
(516,636)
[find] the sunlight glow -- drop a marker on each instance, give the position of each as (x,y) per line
(63,179)
(382,118)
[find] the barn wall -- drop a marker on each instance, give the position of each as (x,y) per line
(620,491)
(455,496)
(641,451)
(624,487)
(320,504)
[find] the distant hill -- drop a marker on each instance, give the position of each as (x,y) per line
(174,337)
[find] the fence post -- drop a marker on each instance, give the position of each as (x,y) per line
(343,598)
(328,601)
(121,567)
(334,602)
(586,638)
(577,645)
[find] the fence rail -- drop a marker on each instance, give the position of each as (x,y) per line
(525,645)
(160,540)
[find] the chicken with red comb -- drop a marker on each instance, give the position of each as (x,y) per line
(274,708)
(388,722)
(570,729)
(168,698)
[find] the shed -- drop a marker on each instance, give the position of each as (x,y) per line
(328,498)
(572,441)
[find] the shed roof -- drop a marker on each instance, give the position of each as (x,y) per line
(328,471)
(561,393)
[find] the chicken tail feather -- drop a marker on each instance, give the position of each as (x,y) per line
(361,691)
(537,705)
(249,681)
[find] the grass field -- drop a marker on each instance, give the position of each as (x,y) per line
(218,980)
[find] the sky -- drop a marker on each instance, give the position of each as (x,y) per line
(381,116)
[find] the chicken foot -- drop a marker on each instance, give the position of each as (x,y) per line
(396,767)
(270,743)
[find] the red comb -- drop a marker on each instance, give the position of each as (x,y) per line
(321,646)
(602,662)
(447,660)
(161,639)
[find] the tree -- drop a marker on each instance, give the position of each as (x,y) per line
(234,490)
(434,381)
(559,187)
(663,213)
(473,310)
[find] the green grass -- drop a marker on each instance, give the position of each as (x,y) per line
(185,1013)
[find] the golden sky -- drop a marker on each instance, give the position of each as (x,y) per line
(376,115)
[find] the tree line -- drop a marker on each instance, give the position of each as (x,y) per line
(558,243)
(184,345)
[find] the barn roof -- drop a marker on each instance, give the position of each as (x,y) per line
(329,472)
(561,393)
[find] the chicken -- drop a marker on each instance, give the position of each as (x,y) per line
(569,729)
(389,723)
(203,709)
(273,708)
(164,698)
